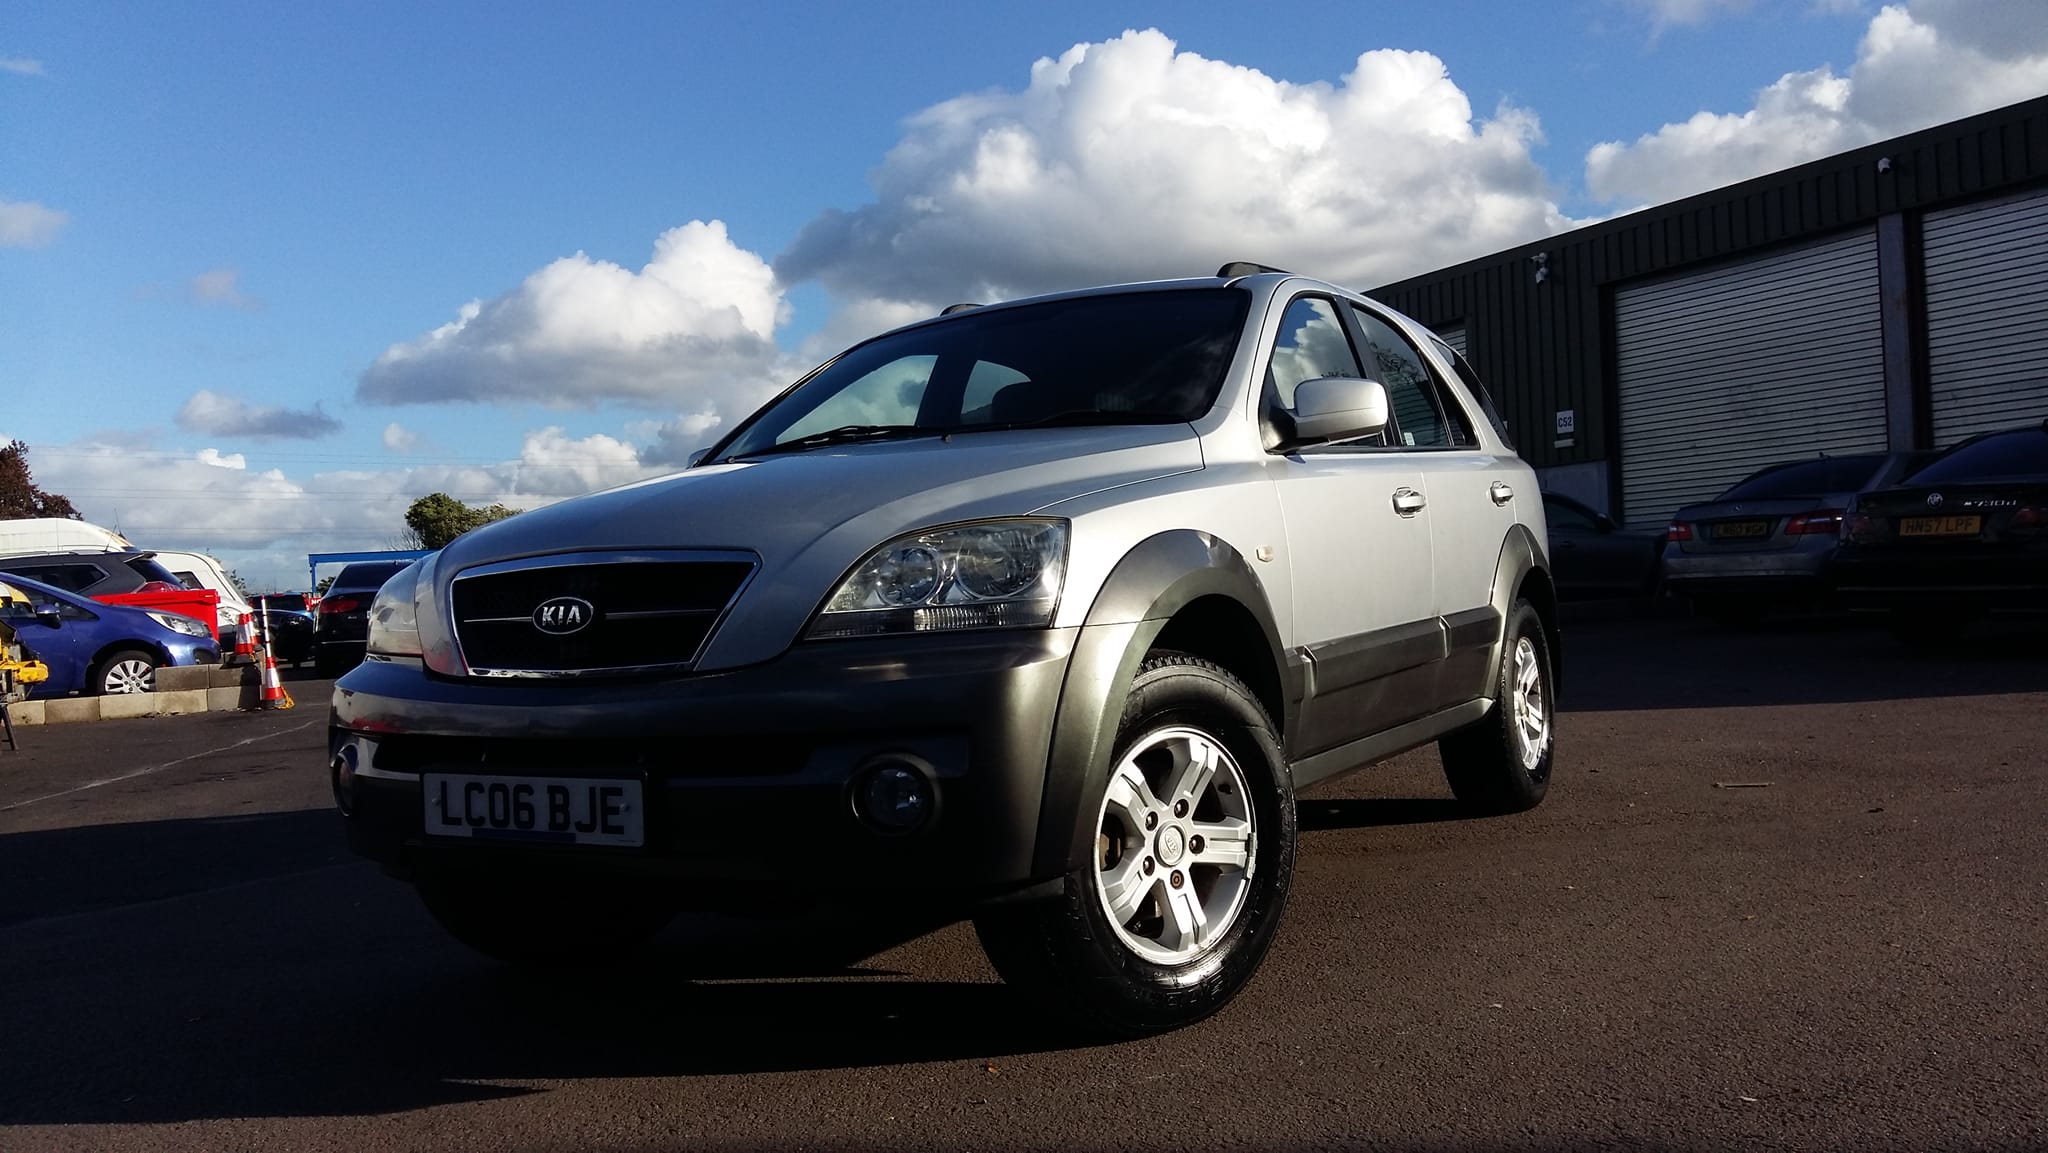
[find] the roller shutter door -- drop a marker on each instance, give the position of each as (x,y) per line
(1987,316)
(1455,337)
(1725,371)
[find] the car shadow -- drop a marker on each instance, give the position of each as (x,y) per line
(1690,663)
(315,986)
(1317,815)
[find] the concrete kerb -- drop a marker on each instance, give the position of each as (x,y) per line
(207,689)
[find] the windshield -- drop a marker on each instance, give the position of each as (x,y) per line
(1132,358)
(1808,478)
(2000,456)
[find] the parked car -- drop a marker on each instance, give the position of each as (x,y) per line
(95,574)
(341,619)
(1591,556)
(95,648)
(196,570)
(1964,537)
(1766,543)
(1036,613)
(291,622)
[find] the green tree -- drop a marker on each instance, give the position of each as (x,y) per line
(320,590)
(437,518)
(19,496)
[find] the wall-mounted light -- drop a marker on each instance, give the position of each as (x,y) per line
(1542,262)
(1884,164)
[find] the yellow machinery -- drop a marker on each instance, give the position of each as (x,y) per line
(18,668)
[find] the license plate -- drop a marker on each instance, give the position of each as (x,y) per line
(1939,526)
(1742,529)
(543,810)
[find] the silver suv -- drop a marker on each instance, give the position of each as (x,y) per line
(1037,613)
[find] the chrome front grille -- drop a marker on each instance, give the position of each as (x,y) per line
(594,614)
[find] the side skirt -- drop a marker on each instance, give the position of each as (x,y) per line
(1380,746)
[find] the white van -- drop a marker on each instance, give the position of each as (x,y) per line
(200,571)
(41,534)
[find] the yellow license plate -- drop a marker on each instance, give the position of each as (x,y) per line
(1741,529)
(1940,526)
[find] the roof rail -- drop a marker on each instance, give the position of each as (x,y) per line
(1238,268)
(963,306)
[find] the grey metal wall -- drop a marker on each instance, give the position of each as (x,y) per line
(1987,315)
(1547,347)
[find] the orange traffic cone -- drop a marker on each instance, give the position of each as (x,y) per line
(274,696)
(245,636)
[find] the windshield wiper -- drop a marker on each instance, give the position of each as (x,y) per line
(844,434)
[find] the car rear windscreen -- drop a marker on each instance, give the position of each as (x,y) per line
(368,576)
(1808,478)
(2001,456)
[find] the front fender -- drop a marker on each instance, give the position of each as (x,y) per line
(1155,580)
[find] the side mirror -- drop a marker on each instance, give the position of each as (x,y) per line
(1604,523)
(48,615)
(1338,408)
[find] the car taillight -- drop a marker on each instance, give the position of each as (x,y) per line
(339,605)
(1856,526)
(1827,520)
(2028,518)
(1679,531)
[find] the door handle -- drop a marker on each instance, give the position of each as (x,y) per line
(1500,493)
(1408,502)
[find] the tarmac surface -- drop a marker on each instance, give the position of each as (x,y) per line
(1789,890)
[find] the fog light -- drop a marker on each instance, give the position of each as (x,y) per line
(894,795)
(344,771)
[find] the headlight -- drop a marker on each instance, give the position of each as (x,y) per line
(394,621)
(993,574)
(178,624)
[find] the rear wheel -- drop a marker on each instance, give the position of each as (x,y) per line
(1500,763)
(127,671)
(1189,870)
(544,923)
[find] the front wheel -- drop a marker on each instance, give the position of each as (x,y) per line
(128,671)
(1500,763)
(1188,874)
(543,923)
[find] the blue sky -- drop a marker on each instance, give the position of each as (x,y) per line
(227,235)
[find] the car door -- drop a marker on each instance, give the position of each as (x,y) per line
(1357,529)
(65,646)
(1582,558)
(1473,490)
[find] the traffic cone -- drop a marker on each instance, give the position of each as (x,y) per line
(245,637)
(274,696)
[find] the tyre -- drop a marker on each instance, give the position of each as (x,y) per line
(1193,857)
(1500,763)
(127,671)
(544,923)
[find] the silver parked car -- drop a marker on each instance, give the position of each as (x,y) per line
(1034,613)
(1765,544)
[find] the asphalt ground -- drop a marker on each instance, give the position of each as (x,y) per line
(1789,890)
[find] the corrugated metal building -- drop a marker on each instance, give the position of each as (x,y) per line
(1896,295)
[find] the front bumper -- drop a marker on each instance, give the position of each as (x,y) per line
(746,773)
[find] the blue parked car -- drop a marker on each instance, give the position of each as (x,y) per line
(100,648)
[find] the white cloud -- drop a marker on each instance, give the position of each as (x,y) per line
(1917,65)
(694,326)
(220,286)
(398,438)
(21,66)
(213,414)
(263,524)
(1669,13)
(1129,159)
(27,224)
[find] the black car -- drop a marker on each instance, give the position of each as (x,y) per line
(1964,537)
(291,625)
(342,619)
(1591,556)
